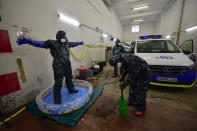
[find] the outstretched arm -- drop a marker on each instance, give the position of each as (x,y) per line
(74,44)
(24,40)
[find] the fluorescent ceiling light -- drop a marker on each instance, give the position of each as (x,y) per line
(138,20)
(140,7)
(168,37)
(191,29)
(105,35)
(68,20)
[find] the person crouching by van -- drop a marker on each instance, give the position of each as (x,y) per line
(138,75)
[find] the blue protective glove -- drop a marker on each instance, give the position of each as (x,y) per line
(77,43)
(23,40)
(81,43)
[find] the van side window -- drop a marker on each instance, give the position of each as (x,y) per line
(187,46)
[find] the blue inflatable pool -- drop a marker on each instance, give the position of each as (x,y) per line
(70,102)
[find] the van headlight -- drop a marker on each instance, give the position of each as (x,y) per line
(191,68)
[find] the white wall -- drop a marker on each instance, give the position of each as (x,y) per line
(167,23)
(189,20)
(41,17)
(145,29)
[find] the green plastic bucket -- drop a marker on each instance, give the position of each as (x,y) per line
(122,107)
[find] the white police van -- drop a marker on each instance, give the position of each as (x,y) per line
(170,65)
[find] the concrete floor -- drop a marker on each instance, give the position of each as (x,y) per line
(167,109)
(183,98)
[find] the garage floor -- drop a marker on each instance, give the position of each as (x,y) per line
(167,109)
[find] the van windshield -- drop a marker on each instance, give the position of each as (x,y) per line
(157,46)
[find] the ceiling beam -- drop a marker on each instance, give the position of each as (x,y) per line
(140,15)
(123,2)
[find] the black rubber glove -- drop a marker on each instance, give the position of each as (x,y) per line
(122,86)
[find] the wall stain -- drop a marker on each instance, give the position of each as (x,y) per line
(32,95)
(1,106)
(40,80)
(21,70)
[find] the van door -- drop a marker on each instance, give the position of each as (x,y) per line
(187,48)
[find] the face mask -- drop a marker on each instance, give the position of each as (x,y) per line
(63,40)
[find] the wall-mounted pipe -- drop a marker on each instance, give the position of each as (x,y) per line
(179,19)
(91,28)
(95,29)
(96,10)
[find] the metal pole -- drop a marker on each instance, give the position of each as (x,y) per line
(179,19)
